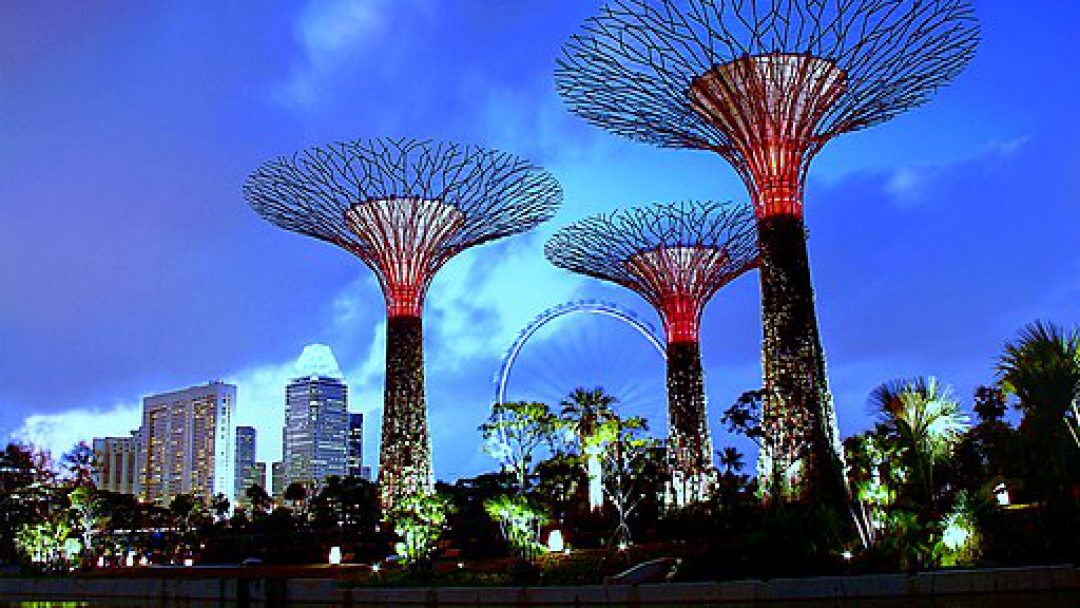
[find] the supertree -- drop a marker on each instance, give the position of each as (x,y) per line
(404,208)
(765,84)
(676,257)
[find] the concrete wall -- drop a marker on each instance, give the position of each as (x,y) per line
(1045,587)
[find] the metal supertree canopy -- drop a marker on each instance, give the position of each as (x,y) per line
(676,256)
(765,83)
(404,208)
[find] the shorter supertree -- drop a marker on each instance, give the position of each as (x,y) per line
(404,208)
(676,256)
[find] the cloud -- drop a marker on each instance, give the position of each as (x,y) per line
(480,302)
(57,433)
(333,33)
(912,185)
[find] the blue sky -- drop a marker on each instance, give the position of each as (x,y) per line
(130,264)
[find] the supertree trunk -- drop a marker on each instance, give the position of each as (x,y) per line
(689,443)
(801,457)
(676,256)
(405,458)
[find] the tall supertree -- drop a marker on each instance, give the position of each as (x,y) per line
(765,84)
(404,208)
(676,256)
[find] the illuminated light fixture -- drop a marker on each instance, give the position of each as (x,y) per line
(375,568)
(129,561)
(188,562)
(623,546)
(766,85)
(335,556)
(676,256)
(846,554)
(1001,493)
(555,543)
(405,208)
(956,534)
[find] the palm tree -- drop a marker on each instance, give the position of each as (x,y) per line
(1041,368)
(923,417)
(731,459)
(585,412)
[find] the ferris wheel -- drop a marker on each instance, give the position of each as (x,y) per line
(589,344)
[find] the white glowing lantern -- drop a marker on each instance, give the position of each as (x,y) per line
(335,556)
(188,562)
(1001,493)
(375,568)
(129,561)
(100,562)
(144,561)
(555,541)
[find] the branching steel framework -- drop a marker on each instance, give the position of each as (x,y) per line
(404,208)
(675,256)
(766,84)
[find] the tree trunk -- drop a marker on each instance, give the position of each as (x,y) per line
(405,453)
(801,456)
(689,442)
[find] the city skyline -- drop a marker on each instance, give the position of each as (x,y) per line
(110,304)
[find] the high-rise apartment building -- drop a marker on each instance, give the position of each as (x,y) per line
(316,426)
(260,476)
(187,443)
(244,467)
(277,479)
(356,445)
(116,464)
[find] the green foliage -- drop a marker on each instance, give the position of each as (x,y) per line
(48,545)
(296,493)
(989,403)
(743,417)
(629,474)
(891,470)
(584,413)
(520,519)
(345,508)
(1041,369)
(961,537)
(26,496)
(515,431)
(418,521)
(260,501)
(922,418)
(88,511)
(78,465)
